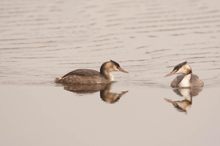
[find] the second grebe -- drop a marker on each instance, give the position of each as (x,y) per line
(186,79)
(89,76)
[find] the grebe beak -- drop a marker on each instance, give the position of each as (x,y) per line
(170,74)
(122,70)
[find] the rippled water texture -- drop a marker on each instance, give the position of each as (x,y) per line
(44,39)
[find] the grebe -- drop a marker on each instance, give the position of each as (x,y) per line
(186,79)
(89,76)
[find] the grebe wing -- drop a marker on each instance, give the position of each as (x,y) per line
(194,77)
(83,72)
(196,81)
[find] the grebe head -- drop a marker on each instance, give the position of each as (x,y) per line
(111,66)
(182,68)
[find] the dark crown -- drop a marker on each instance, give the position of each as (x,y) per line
(115,63)
(177,67)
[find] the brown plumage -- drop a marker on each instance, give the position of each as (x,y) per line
(89,76)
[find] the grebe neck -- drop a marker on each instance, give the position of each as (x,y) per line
(104,71)
(107,75)
(186,80)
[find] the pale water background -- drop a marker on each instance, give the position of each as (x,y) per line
(43,39)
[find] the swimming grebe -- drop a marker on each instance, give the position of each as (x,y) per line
(186,79)
(89,76)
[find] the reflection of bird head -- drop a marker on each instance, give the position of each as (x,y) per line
(110,97)
(181,105)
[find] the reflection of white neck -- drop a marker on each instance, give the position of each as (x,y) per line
(185,81)
(185,92)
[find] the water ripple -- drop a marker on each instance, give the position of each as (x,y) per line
(41,40)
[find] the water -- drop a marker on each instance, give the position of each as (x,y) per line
(41,40)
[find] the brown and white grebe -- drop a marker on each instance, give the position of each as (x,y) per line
(89,76)
(186,79)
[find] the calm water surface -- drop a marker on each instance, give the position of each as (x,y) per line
(40,40)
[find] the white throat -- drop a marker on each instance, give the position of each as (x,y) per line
(111,77)
(185,81)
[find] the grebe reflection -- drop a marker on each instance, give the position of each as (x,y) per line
(187,94)
(105,91)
